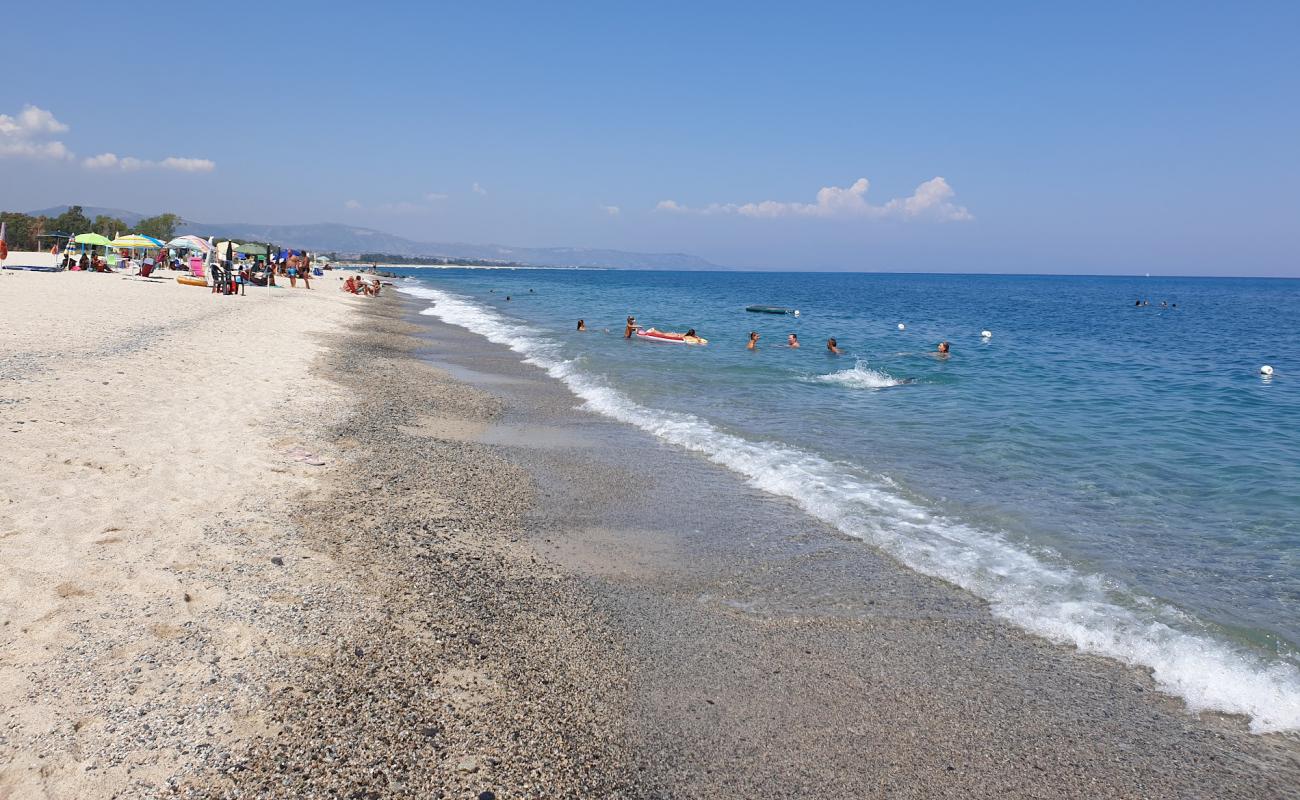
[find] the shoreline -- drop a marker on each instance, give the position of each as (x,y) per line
(475,593)
(857,595)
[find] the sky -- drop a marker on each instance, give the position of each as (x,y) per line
(1154,137)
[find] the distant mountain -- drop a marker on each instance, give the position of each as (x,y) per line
(351,240)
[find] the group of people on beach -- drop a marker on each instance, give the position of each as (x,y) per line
(355,284)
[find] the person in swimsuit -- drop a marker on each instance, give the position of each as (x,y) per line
(793,341)
(630,329)
(582,325)
(942,350)
(752,344)
(832,347)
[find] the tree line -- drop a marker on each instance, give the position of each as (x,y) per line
(22,230)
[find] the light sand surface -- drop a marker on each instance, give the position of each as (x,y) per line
(134,415)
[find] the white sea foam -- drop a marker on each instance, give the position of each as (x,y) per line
(1033,591)
(859,376)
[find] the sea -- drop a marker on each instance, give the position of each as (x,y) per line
(1101,459)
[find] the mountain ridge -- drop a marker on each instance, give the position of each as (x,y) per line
(354,240)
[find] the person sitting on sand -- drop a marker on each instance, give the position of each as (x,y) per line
(582,326)
(793,341)
(832,347)
(752,344)
(83,263)
(630,329)
(942,350)
(374,288)
(350,285)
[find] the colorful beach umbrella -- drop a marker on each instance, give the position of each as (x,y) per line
(92,239)
(135,240)
(190,242)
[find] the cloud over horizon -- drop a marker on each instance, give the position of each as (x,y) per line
(131,164)
(930,200)
(27,135)
(30,135)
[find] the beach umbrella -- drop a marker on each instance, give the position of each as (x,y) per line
(252,249)
(230,251)
(190,242)
(93,239)
(135,241)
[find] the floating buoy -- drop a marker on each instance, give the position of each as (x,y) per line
(1266,370)
(796,312)
(986,334)
(902,327)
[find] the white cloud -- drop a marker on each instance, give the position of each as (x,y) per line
(613,211)
(352,205)
(27,135)
(132,164)
(187,164)
(101,161)
(479,189)
(930,200)
(434,196)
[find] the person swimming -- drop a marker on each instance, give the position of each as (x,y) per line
(753,341)
(793,341)
(630,329)
(582,325)
(942,350)
(832,347)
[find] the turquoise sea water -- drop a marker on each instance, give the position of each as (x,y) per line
(1116,477)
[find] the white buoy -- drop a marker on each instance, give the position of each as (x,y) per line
(1266,370)
(796,312)
(986,334)
(902,327)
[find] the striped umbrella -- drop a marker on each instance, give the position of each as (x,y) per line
(136,241)
(190,242)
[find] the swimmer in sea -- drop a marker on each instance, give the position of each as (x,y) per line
(793,341)
(582,325)
(832,347)
(630,329)
(753,341)
(942,350)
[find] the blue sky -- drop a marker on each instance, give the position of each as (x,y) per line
(1124,138)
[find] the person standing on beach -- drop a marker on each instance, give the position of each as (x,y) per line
(630,329)
(306,271)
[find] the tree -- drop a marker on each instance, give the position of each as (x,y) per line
(161,227)
(21,230)
(71,222)
(108,226)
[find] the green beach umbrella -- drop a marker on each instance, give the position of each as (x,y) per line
(92,239)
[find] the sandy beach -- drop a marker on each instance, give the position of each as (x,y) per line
(303,544)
